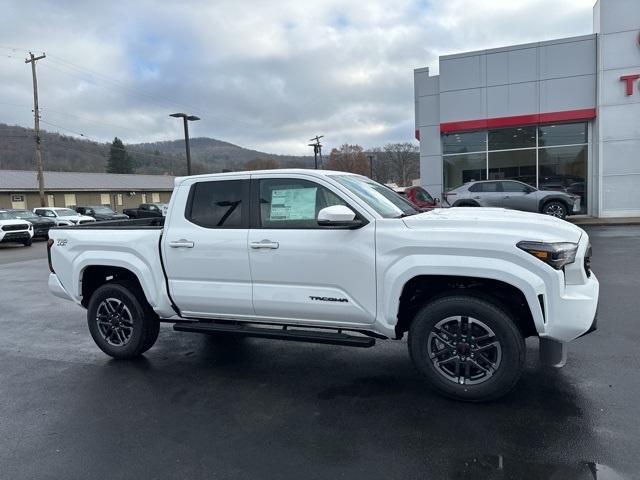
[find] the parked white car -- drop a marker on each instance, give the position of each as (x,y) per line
(63,216)
(308,255)
(14,230)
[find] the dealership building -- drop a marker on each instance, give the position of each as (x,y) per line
(560,114)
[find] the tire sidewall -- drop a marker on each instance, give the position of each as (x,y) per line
(124,294)
(510,338)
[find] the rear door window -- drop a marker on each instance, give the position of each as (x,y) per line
(219,204)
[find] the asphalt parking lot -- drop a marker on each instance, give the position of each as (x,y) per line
(199,407)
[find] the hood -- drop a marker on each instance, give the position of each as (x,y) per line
(16,221)
(77,218)
(525,225)
(40,220)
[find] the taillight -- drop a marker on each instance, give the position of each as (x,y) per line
(49,245)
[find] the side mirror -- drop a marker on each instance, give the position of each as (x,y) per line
(436,200)
(338,216)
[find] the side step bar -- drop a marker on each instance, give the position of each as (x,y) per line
(284,333)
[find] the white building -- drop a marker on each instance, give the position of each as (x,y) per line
(556,114)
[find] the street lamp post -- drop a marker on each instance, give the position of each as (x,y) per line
(371,159)
(186,119)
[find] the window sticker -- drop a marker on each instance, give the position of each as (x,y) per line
(293,204)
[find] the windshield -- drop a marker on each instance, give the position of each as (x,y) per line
(25,215)
(66,212)
(382,199)
(6,216)
(423,195)
(103,210)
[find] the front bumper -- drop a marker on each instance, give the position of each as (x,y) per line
(56,287)
(18,237)
(573,313)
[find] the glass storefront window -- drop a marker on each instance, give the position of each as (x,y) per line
(515,165)
(564,169)
(549,157)
(562,134)
(459,169)
(509,138)
(464,142)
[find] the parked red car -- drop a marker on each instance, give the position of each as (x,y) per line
(420,198)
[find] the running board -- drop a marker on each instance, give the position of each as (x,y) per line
(284,333)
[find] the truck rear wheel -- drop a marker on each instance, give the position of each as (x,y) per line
(121,322)
(468,348)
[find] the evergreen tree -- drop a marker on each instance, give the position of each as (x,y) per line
(119,159)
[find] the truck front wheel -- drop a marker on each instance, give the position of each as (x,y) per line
(468,348)
(121,322)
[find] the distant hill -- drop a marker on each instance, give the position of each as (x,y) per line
(65,153)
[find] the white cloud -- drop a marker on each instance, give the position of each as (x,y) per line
(265,75)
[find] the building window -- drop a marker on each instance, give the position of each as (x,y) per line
(459,169)
(513,164)
(564,168)
(562,134)
(17,201)
(51,201)
(119,199)
(549,157)
(143,197)
(105,199)
(512,138)
(464,142)
(70,200)
(155,197)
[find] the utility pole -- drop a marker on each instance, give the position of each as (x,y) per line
(317,150)
(36,115)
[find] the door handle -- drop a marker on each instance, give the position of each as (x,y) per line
(477,198)
(265,244)
(182,243)
(506,196)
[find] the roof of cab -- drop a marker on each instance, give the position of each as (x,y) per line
(279,171)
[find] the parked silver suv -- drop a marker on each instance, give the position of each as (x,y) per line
(515,195)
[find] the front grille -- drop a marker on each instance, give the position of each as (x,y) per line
(15,236)
(13,228)
(587,261)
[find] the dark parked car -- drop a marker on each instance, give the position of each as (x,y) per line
(101,213)
(514,195)
(41,225)
(147,210)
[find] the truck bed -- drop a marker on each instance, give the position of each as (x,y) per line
(151,223)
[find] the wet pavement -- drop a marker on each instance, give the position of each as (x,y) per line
(200,407)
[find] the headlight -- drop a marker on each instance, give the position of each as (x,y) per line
(555,254)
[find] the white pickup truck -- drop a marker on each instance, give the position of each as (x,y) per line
(331,257)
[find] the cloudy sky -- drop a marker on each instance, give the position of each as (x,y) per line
(262,74)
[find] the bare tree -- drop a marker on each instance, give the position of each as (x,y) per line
(348,158)
(404,162)
(261,164)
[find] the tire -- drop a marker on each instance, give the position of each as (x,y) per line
(27,243)
(484,318)
(127,326)
(556,209)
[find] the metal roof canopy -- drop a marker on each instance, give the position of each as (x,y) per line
(25,180)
